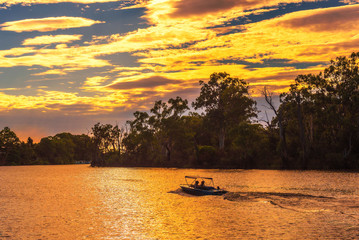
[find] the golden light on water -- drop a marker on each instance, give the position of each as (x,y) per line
(79,202)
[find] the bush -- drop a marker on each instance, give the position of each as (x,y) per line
(207,155)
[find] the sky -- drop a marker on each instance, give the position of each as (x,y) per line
(68,64)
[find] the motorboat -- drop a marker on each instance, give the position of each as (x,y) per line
(199,186)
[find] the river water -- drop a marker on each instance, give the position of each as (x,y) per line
(80,202)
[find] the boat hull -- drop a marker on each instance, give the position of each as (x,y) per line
(202,192)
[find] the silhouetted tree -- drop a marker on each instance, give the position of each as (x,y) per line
(9,143)
(226,102)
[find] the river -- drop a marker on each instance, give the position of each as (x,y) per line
(80,202)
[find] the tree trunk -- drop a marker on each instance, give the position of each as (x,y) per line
(302,134)
(282,138)
(349,151)
(221,138)
(196,150)
(283,143)
(311,129)
(168,152)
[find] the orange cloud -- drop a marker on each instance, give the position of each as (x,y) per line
(150,82)
(350,1)
(271,39)
(329,20)
(50,39)
(70,58)
(189,50)
(158,10)
(47,24)
(200,7)
(57,100)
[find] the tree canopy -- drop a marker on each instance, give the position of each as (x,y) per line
(315,126)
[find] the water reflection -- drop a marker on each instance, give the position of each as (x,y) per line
(78,202)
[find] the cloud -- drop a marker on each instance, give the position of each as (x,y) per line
(68,58)
(50,39)
(47,24)
(133,4)
(173,48)
(333,19)
(95,81)
(175,51)
(350,1)
(72,108)
(63,71)
(32,2)
(190,8)
(269,39)
(200,7)
(150,82)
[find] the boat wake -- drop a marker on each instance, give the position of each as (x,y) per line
(179,191)
(299,202)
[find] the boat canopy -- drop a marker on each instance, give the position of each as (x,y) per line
(194,177)
(190,180)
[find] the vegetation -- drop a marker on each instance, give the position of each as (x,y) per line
(63,148)
(315,126)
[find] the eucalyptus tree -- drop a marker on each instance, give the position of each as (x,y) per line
(106,137)
(249,147)
(139,142)
(342,77)
(327,113)
(9,142)
(268,96)
(295,97)
(226,102)
(167,122)
(154,135)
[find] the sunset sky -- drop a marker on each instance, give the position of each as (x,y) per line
(67,64)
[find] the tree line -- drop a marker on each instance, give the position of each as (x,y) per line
(63,148)
(315,126)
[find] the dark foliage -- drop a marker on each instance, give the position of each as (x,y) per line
(316,126)
(63,148)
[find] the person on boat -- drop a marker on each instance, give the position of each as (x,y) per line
(202,184)
(196,184)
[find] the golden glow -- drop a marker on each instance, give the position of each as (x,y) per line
(47,24)
(177,46)
(61,101)
(50,39)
